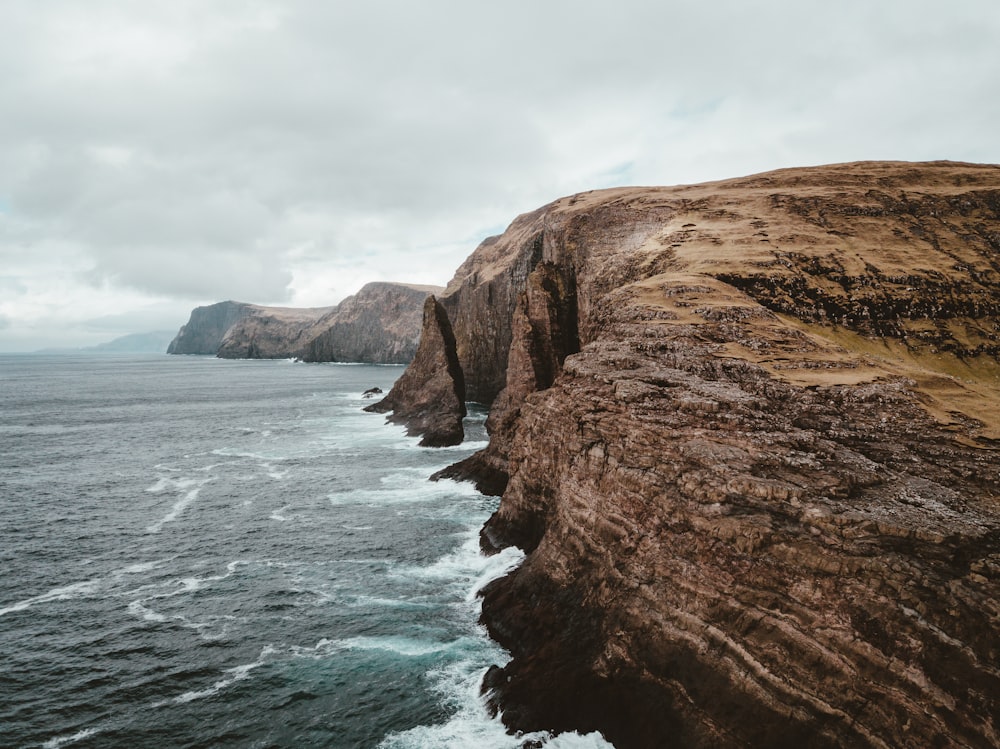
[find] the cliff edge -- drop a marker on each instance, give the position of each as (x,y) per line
(748,433)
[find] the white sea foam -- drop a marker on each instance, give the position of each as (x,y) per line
(135,569)
(279,513)
(137,609)
(63,593)
(275,473)
(191,489)
(389,603)
(470,725)
(239,673)
(458,684)
(403,487)
(467,567)
(58,741)
(405,646)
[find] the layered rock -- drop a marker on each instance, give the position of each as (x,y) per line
(207,326)
(429,397)
(378,325)
(749,435)
(271,332)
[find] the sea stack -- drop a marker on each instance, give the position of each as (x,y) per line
(748,433)
(429,397)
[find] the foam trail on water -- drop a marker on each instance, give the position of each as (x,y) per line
(163,484)
(402,487)
(405,646)
(63,740)
(63,593)
(137,609)
(237,674)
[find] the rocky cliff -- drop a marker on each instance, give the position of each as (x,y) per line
(379,325)
(748,434)
(271,332)
(207,326)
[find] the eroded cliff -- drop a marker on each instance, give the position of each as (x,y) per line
(205,329)
(748,435)
(378,325)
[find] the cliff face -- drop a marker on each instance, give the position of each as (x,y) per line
(204,331)
(749,435)
(380,324)
(271,332)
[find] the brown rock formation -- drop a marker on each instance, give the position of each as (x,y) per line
(271,332)
(379,325)
(750,440)
(429,398)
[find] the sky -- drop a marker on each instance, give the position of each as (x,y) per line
(160,155)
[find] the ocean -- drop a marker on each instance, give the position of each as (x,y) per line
(198,552)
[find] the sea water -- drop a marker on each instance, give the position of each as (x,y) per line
(198,552)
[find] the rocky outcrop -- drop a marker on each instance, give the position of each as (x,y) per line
(271,332)
(379,325)
(429,398)
(748,434)
(236,330)
(207,326)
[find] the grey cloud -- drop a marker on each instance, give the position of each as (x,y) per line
(195,149)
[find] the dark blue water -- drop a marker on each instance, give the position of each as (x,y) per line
(200,552)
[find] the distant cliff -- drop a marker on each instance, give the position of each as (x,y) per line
(204,331)
(380,324)
(748,433)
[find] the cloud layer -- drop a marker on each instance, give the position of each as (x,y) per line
(154,156)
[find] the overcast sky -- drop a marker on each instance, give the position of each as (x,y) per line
(162,154)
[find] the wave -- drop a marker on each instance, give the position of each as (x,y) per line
(239,673)
(58,741)
(189,496)
(406,486)
(458,684)
(63,593)
(471,725)
(279,514)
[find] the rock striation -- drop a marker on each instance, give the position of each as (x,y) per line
(207,326)
(378,325)
(430,395)
(271,332)
(748,433)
